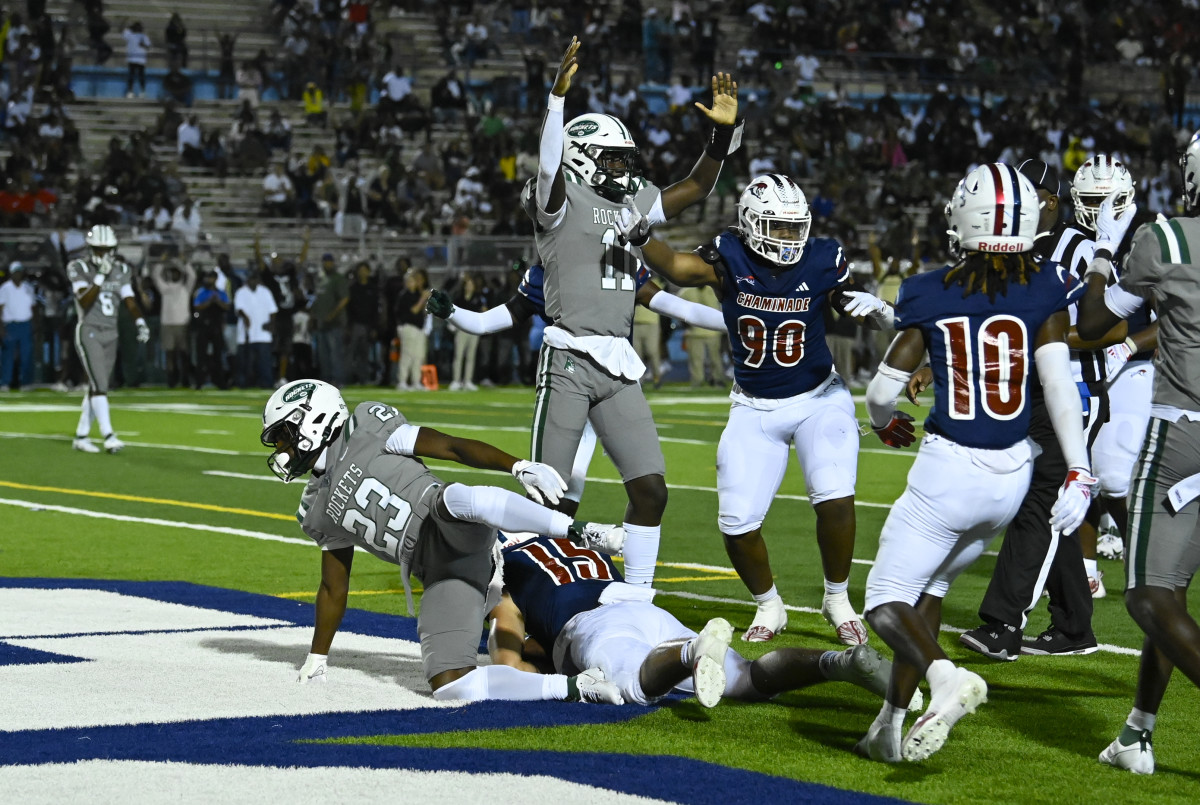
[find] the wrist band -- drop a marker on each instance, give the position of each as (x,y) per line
(1131,346)
(719,141)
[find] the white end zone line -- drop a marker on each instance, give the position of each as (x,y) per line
(262,535)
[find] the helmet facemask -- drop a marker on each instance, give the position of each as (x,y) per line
(780,240)
(1189,168)
(614,172)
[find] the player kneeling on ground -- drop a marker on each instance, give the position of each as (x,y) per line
(370,490)
(567,607)
(975,319)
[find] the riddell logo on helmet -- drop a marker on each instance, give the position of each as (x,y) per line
(984,246)
(583,128)
(300,391)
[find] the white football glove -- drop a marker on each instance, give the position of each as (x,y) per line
(1110,228)
(861,303)
(632,227)
(1115,358)
(314,669)
(1074,498)
(143,331)
(541,481)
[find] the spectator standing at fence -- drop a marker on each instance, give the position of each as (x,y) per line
(174,286)
(410,327)
(470,297)
(256,309)
(327,317)
(363,310)
(137,48)
(16,326)
(210,304)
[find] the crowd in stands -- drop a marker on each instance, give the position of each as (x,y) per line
(413,144)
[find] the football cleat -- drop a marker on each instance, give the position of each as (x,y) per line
(1138,757)
(881,743)
(996,640)
(860,665)
(84,445)
(1109,545)
(842,617)
(1096,585)
(591,686)
(769,620)
(708,661)
(602,537)
(112,444)
(1053,641)
(948,703)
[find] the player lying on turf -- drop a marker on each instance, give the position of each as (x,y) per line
(977,319)
(567,607)
(370,490)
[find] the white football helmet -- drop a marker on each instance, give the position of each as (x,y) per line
(601,150)
(774,219)
(301,419)
(994,209)
(102,242)
(1093,182)
(1189,166)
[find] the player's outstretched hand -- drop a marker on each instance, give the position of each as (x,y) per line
(1110,227)
(439,304)
(898,432)
(313,669)
(541,481)
(919,381)
(867,305)
(632,227)
(143,331)
(725,105)
(1074,498)
(566,69)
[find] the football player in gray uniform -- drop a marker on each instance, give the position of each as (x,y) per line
(1162,550)
(98,281)
(370,491)
(588,369)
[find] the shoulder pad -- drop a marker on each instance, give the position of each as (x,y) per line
(709,253)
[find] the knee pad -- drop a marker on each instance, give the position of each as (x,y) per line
(830,483)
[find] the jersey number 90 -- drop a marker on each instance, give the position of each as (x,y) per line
(786,344)
(1001,349)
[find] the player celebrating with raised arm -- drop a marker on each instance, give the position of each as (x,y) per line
(588,369)
(1163,540)
(774,282)
(98,281)
(976,319)
(370,490)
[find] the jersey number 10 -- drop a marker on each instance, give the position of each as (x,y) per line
(1003,357)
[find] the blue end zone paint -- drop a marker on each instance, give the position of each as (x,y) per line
(19,655)
(273,740)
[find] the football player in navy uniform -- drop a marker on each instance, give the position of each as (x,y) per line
(980,320)
(774,282)
(565,605)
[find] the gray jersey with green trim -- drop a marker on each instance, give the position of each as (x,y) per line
(366,497)
(590,279)
(1161,267)
(102,315)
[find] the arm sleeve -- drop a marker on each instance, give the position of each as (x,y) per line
(1121,302)
(669,304)
(887,385)
(1062,400)
(403,440)
(127,291)
(491,321)
(550,160)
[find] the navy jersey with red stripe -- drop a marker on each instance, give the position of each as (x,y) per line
(776,317)
(532,280)
(551,580)
(981,351)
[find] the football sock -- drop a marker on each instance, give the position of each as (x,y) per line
(835,587)
(762,598)
(738,681)
(1089,567)
(641,551)
(85,419)
(1141,720)
(503,509)
(939,671)
(891,716)
(504,683)
(828,660)
(685,653)
(100,410)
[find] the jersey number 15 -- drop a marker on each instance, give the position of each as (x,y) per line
(1003,354)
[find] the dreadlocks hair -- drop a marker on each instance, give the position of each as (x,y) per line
(983,272)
